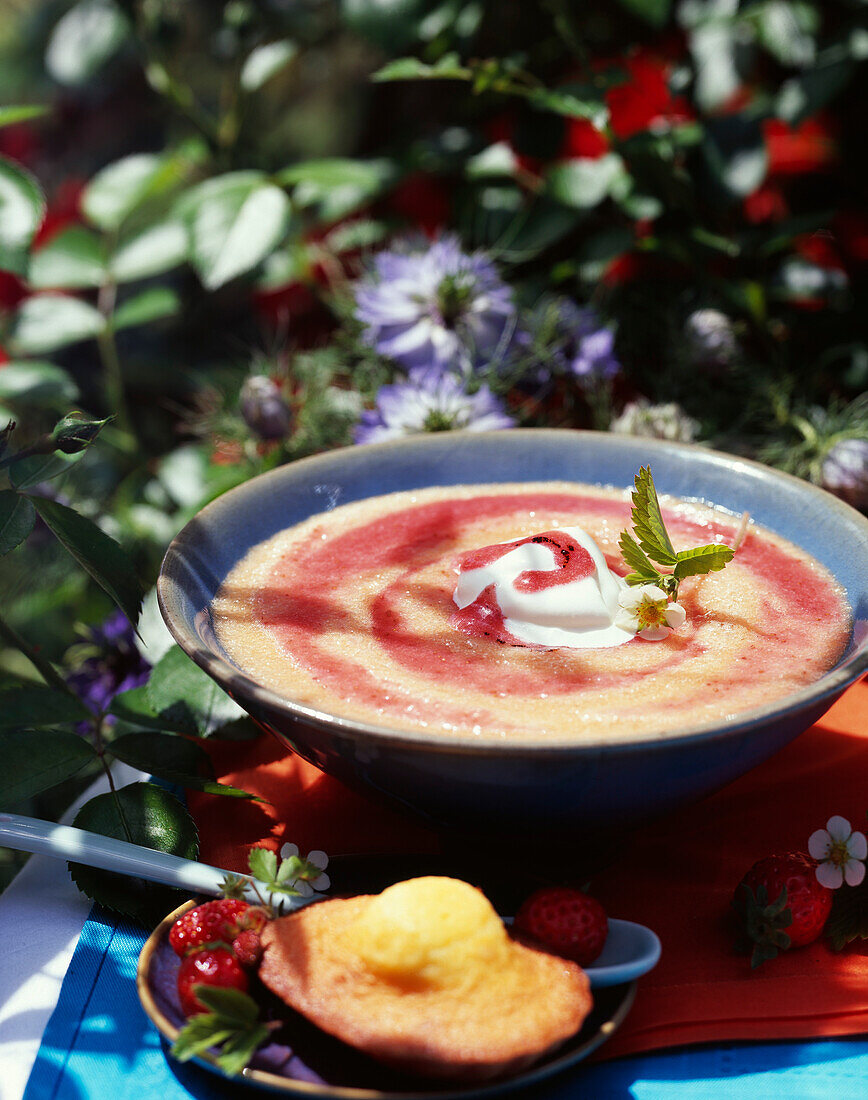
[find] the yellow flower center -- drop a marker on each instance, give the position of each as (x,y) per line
(651,613)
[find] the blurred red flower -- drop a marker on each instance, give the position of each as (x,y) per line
(795,150)
(645,101)
(767,204)
(582,139)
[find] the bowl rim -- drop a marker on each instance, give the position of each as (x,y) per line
(830,684)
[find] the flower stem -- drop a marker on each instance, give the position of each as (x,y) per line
(111,364)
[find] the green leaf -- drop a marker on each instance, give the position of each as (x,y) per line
(362,233)
(152,304)
(155,250)
(583,183)
(337,185)
(33,761)
(702,559)
(655,12)
(804,95)
(232,1025)
(36,384)
(39,705)
(71,260)
(263,864)
(134,708)
(9,116)
(265,62)
(736,155)
(146,815)
(22,208)
(32,471)
(449,67)
(84,39)
(97,553)
(174,759)
(187,696)
(336,172)
(17,517)
(119,188)
(235,221)
(648,522)
(849,917)
(570,105)
(636,559)
(50,321)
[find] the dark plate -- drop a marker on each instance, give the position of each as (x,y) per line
(306,1062)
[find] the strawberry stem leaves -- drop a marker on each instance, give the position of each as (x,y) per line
(232,1025)
(762,922)
(650,543)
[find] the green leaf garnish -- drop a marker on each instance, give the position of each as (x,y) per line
(232,1025)
(702,559)
(650,543)
(648,522)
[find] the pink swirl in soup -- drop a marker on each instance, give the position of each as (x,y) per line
(351,612)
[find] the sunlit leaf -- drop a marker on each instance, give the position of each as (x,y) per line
(119,188)
(37,384)
(22,207)
(150,305)
(71,260)
(46,322)
(156,249)
(188,697)
(235,221)
(265,62)
(84,39)
(142,814)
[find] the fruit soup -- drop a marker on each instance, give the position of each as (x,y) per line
(351,612)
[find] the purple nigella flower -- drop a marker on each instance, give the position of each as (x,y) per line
(436,306)
(430,401)
(584,346)
(116,666)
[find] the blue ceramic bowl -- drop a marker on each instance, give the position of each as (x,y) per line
(588,787)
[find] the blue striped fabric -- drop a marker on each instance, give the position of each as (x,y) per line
(99,1045)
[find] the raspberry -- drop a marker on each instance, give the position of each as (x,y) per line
(214,966)
(566,921)
(215,921)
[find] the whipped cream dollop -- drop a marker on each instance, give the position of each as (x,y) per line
(550,590)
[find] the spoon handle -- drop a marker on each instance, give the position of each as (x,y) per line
(29,834)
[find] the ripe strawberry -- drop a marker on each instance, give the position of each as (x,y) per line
(566,921)
(213,922)
(781,892)
(211,966)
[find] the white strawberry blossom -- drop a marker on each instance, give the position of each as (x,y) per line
(319,859)
(840,853)
(646,611)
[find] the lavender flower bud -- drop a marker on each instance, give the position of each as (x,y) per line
(264,411)
(845,472)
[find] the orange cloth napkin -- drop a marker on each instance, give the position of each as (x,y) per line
(676,876)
